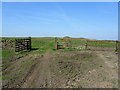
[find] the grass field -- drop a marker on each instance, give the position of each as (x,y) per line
(43,44)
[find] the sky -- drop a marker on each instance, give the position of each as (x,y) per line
(94,20)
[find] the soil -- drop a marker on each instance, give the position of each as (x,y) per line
(69,69)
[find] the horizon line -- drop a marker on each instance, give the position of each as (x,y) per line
(53,37)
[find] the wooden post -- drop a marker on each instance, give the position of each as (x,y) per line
(15,46)
(55,39)
(86,45)
(30,47)
(70,44)
(116,46)
(55,42)
(57,45)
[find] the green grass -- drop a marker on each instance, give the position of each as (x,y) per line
(82,42)
(8,53)
(114,83)
(7,56)
(42,44)
(20,70)
(48,43)
(102,44)
(77,42)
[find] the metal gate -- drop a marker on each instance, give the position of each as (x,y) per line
(23,44)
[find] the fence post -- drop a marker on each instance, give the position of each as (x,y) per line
(55,42)
(116,45)
(16,46)
(86,44)
(30,47)
(57,45)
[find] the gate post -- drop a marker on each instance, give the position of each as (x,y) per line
(55,42)
(86,44)
(116,46)
(30,43)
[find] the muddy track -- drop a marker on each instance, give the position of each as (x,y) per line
(12,68)
(111,62)
(38,76)
(66,70)
(28,74)
(42,77)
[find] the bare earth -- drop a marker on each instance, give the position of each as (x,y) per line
(70,69)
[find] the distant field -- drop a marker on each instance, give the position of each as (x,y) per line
(43,44)
(48,43)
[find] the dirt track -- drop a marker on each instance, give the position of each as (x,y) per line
(42,77)
(73,70)
(105,76)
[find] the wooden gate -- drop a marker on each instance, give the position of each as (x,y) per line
(23,44)
(62,43)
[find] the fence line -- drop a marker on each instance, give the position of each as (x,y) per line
(99,45)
